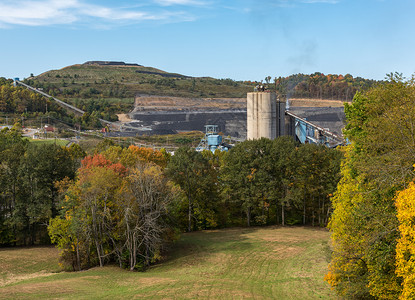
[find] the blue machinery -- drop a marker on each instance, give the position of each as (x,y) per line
(212,140)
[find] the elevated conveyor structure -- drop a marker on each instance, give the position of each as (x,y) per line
(307,132)
(68,106)
(267,117)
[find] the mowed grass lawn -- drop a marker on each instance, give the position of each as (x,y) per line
(239,263)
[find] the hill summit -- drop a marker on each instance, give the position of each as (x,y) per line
(110,63)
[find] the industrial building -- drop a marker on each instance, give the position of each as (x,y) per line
(267,117)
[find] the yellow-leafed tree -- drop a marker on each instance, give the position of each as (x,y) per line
(405,249)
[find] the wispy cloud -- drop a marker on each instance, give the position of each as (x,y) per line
(179,2)
(53,12)
(293,3)
(252,7)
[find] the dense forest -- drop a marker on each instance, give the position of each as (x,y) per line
(374,205)
(28,191)
(123,204)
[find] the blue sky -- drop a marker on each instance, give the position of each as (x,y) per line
(238,39)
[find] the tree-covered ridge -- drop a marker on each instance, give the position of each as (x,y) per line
(20,102)
(93,81)
(320,86)
(371,232)
(101,82)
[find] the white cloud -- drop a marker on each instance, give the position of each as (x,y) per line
(52,12)
(36,12)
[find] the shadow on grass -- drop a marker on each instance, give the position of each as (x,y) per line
(196,247)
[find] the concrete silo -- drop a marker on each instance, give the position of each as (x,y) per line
(265,116)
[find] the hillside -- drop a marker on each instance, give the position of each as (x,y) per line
(105,89)
(242,263)
(120,80)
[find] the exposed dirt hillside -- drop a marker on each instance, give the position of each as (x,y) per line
(166,103)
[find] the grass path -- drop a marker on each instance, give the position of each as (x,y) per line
(240,263)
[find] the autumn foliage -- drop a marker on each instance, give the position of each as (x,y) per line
(371,258)
(99,161)
(405,249)
(115,211)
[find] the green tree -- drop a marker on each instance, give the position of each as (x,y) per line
(12,150)
(41,167)
(245,177)
(281,169)
(28,196)
(190,170)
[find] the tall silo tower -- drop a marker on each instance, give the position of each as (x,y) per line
(265,116)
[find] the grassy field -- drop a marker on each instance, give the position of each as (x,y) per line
(58,142)
(240,263)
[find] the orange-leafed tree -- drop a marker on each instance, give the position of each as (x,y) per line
(100,161)
(133,154)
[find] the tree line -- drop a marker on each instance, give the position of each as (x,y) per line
(258,182)
(374,206)
(28,193)
(122,205)
(319,86)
